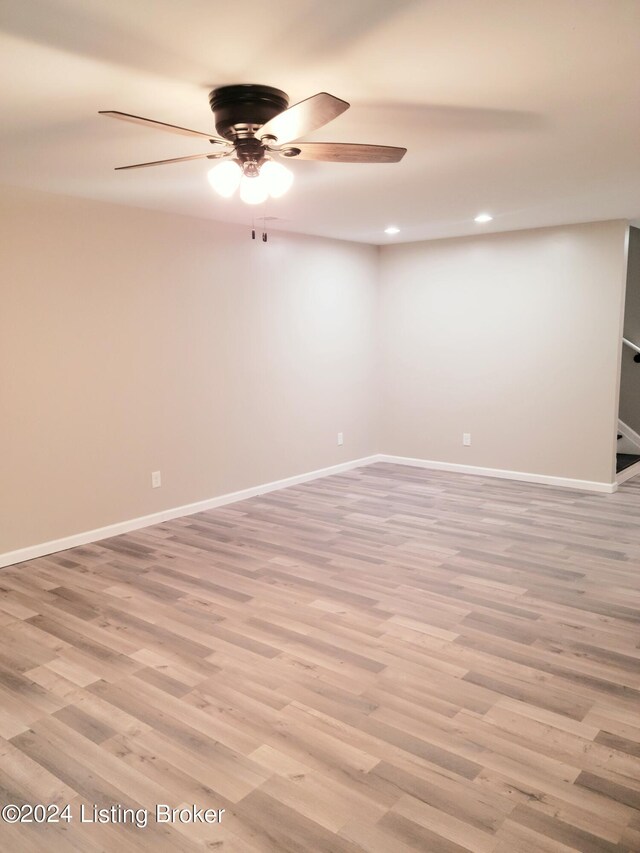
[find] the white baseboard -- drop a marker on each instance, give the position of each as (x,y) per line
(41,550)
(32,552)
(627,432)
(544,479)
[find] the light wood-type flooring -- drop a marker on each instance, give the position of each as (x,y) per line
(386,660)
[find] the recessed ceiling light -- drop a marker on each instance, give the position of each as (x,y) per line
(483,217)
(392,230)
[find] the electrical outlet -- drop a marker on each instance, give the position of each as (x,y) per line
(340,439)
(466,438)
(156,480)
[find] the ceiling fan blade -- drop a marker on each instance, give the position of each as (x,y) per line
(304,117)
(172,128)
(177,160)
(343,152)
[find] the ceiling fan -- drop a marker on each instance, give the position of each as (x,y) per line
(256,125)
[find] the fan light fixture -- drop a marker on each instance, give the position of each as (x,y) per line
(256,184)
(225,178)
(277,177)
(253,190)
(255,124)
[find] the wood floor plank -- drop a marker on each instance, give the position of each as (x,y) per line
(385,660)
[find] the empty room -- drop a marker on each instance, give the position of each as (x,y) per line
(320,426)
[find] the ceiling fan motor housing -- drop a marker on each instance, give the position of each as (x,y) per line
(241,110)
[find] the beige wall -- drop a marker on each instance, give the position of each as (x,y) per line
(630,379)
(133,341)
(514,338)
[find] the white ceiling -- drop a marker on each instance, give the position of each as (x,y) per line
(528,109)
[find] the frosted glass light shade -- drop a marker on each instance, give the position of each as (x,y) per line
(277,177)
(225,178)
(253,190)
(273,180)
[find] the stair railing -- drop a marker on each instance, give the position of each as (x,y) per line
(635,348)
